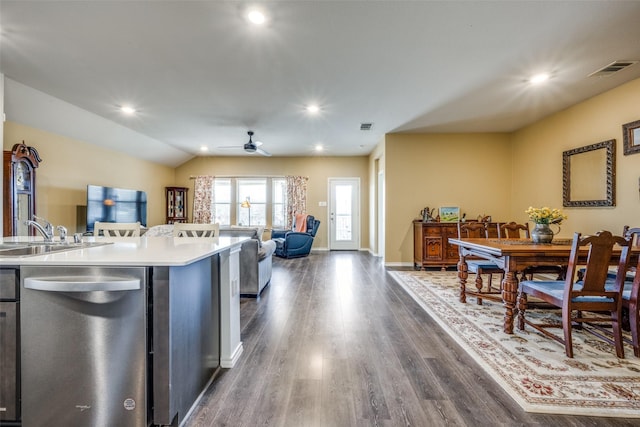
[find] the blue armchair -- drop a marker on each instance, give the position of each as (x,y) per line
(293,244)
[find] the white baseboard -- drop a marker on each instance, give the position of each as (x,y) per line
(372,252)
(231,362)
(325,249)
(398,264)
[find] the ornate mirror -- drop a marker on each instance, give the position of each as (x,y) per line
(589,175)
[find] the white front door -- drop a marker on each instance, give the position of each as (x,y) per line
(344,213)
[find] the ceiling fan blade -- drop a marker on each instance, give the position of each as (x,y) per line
(264,153)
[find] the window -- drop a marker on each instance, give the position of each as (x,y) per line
(221,203)
(279,202)
(267,198)
(253,190)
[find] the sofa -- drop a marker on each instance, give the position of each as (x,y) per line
(255,259)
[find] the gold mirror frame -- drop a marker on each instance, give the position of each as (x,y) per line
(604,171)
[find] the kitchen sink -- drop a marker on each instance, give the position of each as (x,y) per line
(12,245)
(18,249)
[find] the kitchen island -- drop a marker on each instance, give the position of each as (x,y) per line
(126,331)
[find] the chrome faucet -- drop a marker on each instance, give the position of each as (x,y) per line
(62,231)
(46,230)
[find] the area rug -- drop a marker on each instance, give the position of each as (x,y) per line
(532,368)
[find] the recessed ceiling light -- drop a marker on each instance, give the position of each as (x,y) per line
(539,78)
(319,147)
(313,109)
(127,109)
(256,17)
(204,148)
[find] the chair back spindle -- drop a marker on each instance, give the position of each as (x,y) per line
(117,229)
(196,230)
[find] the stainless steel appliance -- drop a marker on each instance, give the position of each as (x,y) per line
(9,345)
(84,346)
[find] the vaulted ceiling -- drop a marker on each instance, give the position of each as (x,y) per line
(200,75)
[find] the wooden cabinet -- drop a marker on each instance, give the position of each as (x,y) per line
(176,204)
(431,246)
(19,188)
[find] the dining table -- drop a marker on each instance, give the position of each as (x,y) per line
(513,256)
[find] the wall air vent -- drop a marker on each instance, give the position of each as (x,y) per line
(365,126)
(612,68)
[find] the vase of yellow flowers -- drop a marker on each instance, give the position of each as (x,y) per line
(543,218)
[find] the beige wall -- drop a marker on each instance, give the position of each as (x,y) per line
(471,171)
(503,174)
(496,174)
(538,149)
(318,169)
(69,165)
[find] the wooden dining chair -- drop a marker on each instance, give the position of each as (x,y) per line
(514,230)
(626,230)
(481,266)
(592,294)
(181,229)
(116,229)
(630,294)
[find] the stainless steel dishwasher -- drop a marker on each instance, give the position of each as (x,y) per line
(84,346)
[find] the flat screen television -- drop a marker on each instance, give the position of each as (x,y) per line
(108,204)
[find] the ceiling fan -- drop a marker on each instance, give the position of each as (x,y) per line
(251,146)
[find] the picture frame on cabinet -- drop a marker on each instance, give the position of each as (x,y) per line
(631,137)
(449,214)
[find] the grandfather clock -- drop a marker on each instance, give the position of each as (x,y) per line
(19,187)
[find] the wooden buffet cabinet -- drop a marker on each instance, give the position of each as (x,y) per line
(431,246)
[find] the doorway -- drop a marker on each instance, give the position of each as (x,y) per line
(344,214)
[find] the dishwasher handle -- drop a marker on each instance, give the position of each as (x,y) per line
(81,284)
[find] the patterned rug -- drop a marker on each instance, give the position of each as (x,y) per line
(532,368)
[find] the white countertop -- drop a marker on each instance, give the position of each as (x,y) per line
(129,251)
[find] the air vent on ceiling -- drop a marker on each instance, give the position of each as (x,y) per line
(365,126)
(614,67)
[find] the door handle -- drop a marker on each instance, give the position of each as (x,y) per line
(81,284)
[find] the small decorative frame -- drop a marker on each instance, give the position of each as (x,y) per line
(631,137)
(449,214)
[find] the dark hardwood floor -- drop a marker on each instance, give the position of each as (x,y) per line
(333,341)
